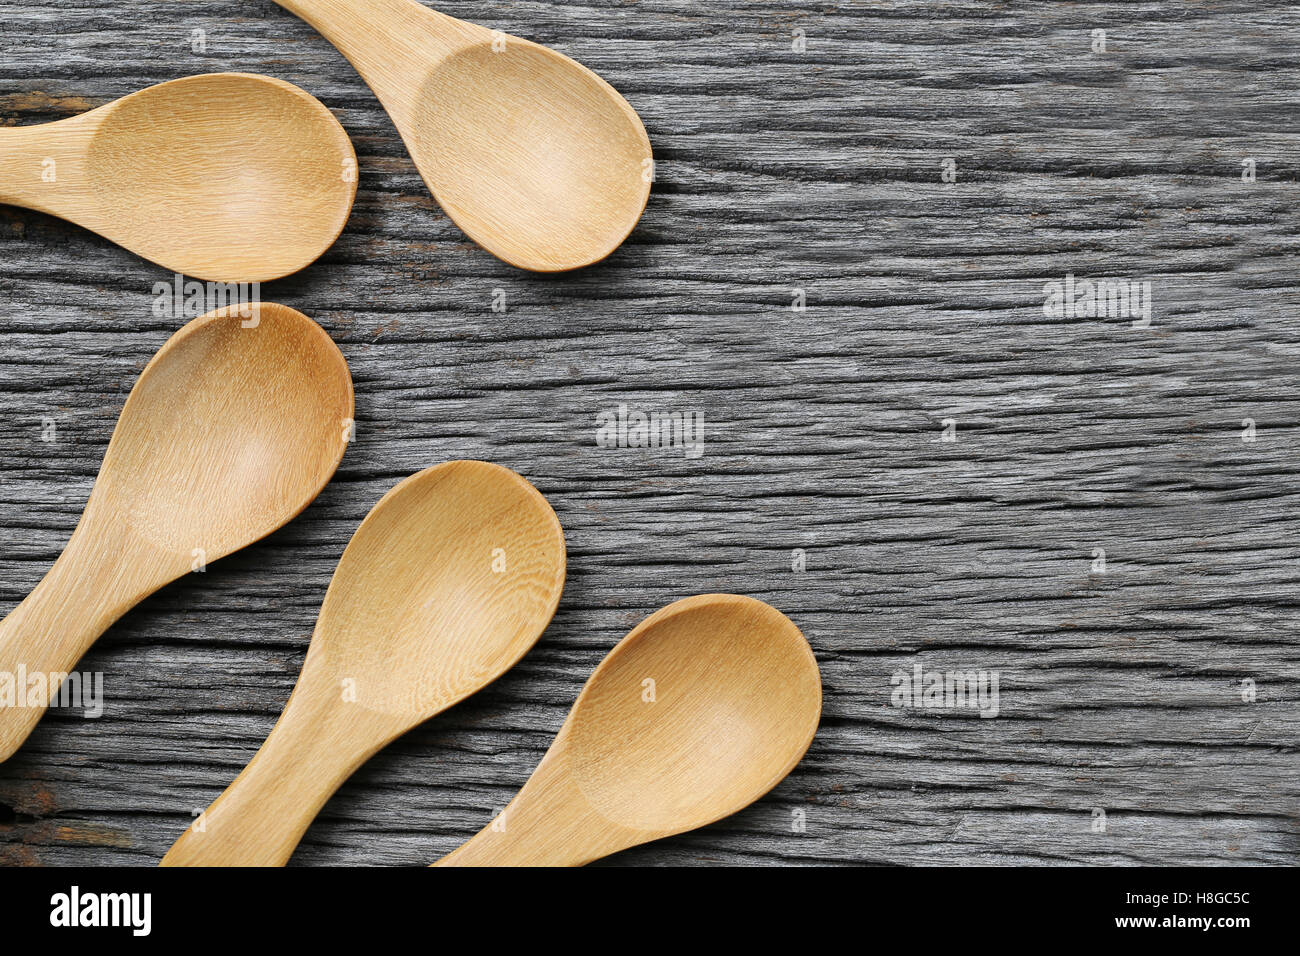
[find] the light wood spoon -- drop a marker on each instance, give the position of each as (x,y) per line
(233,428)
(226,177)
(707,705)
(447,583)
(533,156)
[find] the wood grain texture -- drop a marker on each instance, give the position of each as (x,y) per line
(777,170)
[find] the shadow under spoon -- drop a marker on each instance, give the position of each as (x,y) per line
(449,581)
(233,428)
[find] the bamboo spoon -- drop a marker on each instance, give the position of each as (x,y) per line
(707,705)
(226,177)
(533,156)
(231,431)
(447,583)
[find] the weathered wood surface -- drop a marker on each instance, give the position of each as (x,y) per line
(778,170)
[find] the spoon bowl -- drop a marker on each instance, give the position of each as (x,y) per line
(737,699)
(246,411)
(233,428)
(702,709)
(532,155)
(447,583)
(227,177)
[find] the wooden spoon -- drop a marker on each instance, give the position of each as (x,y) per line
(225,177)
(447,583)
(533,156)
(697,713)
(231,431)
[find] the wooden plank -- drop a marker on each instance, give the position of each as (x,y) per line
(778,171)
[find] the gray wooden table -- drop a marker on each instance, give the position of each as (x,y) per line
(802,155)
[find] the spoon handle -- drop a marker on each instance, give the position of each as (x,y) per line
(41,167)
(24,171)
(261,817)
(382,37)
(549,823)
(94,582)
